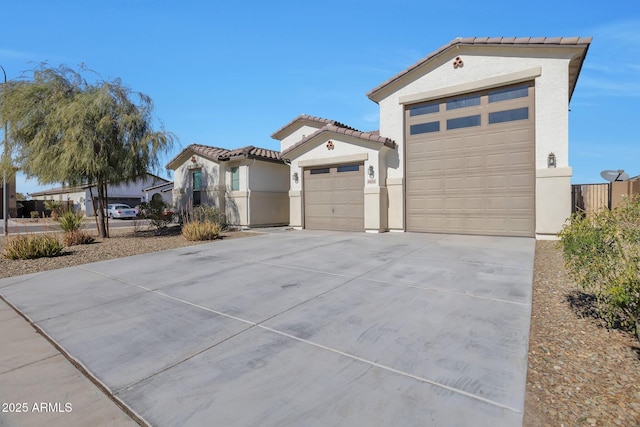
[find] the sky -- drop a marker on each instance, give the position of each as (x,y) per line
(229,74)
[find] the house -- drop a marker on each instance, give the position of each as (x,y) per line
(249,184)
(128,193)
(162,191)
(473,139)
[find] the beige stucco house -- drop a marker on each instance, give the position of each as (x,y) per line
(473,139)
(249,184)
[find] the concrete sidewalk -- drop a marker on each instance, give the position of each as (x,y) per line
(39,386)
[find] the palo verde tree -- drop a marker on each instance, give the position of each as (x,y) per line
(64,128)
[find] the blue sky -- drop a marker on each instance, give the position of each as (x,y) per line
(229,74)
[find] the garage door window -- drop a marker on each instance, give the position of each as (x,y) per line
(507,94)
(419,110)
(349,168)
(425,128)
(319,171)
(509,115)
(463,122)
(468,101)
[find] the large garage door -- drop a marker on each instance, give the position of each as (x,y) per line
(471,163)
(334,198)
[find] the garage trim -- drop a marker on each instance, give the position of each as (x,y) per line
(353,158)
(497,81)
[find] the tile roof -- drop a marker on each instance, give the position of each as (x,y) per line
(367,136)
(223,154)
(490,41)
(281,133)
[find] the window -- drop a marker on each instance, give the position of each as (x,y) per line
(235,178)
(319,171)
(463,122)
(418,110)
(424,128)
(197,180)
(509,115)
(507,94)
(467,101)
(349,168)
(196,186)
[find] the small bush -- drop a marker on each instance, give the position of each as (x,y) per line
(70,221)
(77,237)
(33,246)
(208,214)
(158,213)
(197,230)
(34,214)
(602,254)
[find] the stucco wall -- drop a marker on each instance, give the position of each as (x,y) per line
(183,186)
(298,135)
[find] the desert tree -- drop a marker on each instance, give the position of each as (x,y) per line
(65,128)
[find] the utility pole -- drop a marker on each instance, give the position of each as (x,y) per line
(5,185)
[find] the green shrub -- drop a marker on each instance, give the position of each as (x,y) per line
(602,254)
(70,220)
(33,246)
(200,230)
(159,214)
(77,237)
(34,214)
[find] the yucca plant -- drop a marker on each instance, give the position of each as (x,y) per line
(70,220)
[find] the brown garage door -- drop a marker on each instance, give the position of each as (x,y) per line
(334,198)
(470,163)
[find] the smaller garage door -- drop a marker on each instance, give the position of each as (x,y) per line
(334,198)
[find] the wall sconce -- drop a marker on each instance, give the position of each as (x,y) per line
(295,177)
(193,159)
(551,160)
(371,173)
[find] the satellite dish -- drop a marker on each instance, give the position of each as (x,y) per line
(614,175)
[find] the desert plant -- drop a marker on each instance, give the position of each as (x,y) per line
(34,214)
(158,213)
(77,237)
(200,230)
(203,213)
(33,246)
(70,220)
(602,254)
(56,207)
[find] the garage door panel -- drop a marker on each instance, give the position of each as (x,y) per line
(334,200)
(475,180)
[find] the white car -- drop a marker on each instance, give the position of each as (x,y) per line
(121,211)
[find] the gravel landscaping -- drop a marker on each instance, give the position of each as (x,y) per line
(580,373)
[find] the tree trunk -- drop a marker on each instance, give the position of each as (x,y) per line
(102,230)
(95,211)
(106,203)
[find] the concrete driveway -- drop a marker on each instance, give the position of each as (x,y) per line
(301,328)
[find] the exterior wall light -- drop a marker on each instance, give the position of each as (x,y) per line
(551,160)
(371,173)
(295,177)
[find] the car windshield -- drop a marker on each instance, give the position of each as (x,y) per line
(121,207)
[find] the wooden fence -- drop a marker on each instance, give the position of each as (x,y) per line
(595,197)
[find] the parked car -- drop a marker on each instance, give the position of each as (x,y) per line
(121,211)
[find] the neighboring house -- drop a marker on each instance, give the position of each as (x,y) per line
(249,184)
(473,139)
(130,193)
(162,191)
(12,206)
